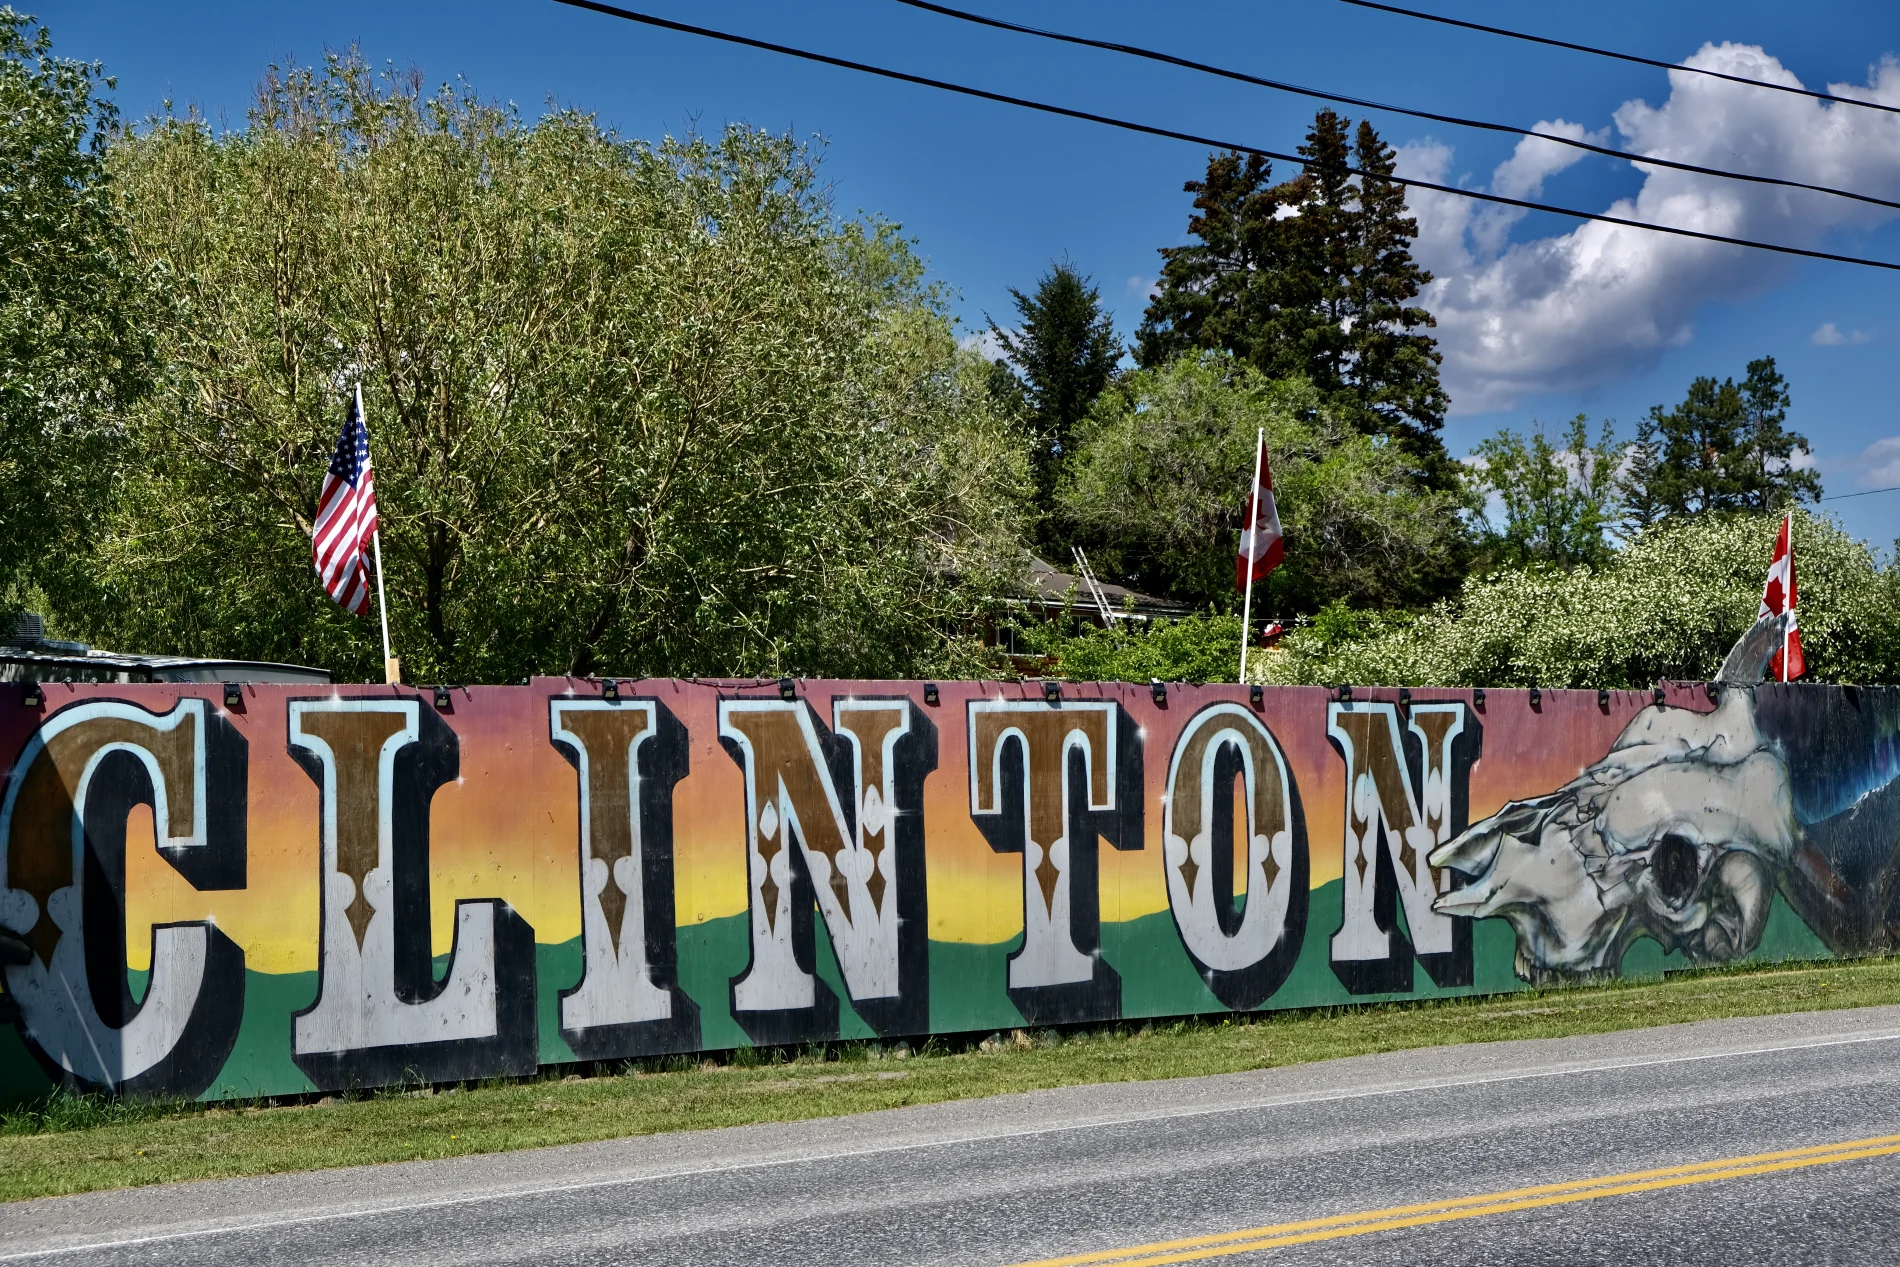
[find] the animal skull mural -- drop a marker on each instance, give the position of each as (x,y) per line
(1683,832)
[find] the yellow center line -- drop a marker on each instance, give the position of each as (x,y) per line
(1223,1244)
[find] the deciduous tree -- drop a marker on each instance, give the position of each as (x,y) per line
(1557,501)
(73,351)
(639,409)
(1161,468)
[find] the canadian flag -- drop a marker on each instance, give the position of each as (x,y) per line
(1261,545)
(1788,663)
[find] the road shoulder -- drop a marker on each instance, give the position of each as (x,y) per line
(164,1211)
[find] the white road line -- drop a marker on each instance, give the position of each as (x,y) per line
(233,1229)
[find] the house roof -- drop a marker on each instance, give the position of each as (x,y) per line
(29,654)
(1052,589)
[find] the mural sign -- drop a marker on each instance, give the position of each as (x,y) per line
(305,892)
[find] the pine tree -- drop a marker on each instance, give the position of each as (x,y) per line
(1725,448)
(1700,468)
(1326,231)
(1065,351)
(1772,481)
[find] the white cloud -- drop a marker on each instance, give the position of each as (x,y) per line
(1880,463)
(1146,287)
(1830,335)
(1603,301)
(1522,176)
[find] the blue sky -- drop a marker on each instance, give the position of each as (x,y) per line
(1537,323)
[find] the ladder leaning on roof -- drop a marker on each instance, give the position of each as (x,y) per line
(1087,573)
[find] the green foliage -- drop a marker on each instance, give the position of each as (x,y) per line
(1156,486)
(1203,648)
(640,409)
(1066,351)
(1639,483)
(655,409)
(1669,606)
(1557,501)
(1312,278)
(71,348)
(1725,447)
(1338,624)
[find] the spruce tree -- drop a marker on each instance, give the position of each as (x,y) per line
(1326,231)
(1638,486)
(1065,351)
(1311,277)
(1394,370)
(1223,290)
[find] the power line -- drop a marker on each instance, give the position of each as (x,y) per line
(1864,493)
(667,24)
(1132,50)
(1622,57)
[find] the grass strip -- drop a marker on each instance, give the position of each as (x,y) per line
(68,1145)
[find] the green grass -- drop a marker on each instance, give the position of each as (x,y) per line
(77,1145)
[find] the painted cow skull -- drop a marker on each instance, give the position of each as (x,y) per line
(1679,833)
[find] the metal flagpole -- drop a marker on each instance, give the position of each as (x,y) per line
(1249,537)
(392,668)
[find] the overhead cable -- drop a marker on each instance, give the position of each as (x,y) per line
(667,24)
(1863,493)
(1623,57)
(1132,50)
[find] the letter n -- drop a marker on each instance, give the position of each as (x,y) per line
(834,823)
(380,1015)
(1407,792)
(628,754)
(62,888)
(1045,781)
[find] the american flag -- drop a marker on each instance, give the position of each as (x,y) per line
(346,516)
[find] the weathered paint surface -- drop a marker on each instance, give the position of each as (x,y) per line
(314,891)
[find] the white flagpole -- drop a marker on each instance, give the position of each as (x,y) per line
(1787,605)
(1249,537)
(392,669)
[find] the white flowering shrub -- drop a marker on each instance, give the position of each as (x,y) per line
(1669,606)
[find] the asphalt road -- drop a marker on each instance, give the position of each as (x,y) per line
(1125,1173)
